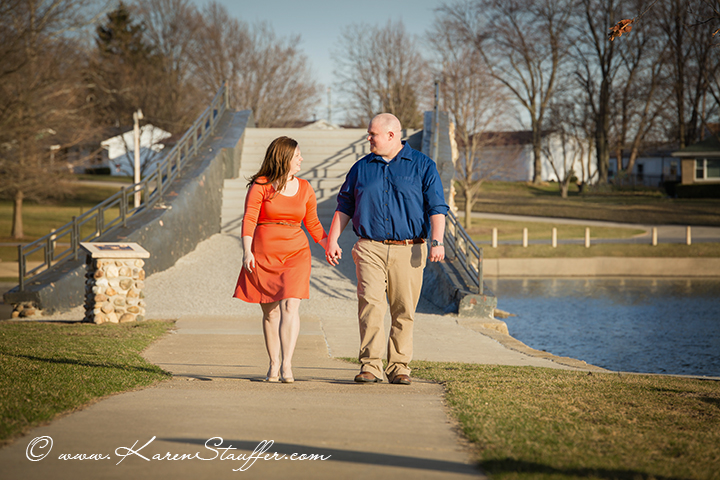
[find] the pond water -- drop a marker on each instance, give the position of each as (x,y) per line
(631,325)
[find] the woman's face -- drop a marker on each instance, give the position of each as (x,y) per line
(295,162)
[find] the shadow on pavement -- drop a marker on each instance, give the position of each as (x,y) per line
(337,455)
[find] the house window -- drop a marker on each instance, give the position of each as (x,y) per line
(707,169)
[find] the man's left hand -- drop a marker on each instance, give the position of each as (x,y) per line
(437,254)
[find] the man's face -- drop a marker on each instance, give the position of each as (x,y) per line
(379,138)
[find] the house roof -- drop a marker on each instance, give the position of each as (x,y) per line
(708,147)
(149,134)
(321,124)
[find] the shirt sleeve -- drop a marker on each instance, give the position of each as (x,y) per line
(433,192)
(346,195)
(253,202)
(311,220)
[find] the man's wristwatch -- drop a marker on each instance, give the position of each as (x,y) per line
(435,243)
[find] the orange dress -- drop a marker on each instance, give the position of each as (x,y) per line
(280,247)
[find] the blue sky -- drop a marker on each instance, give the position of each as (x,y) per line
(321,22)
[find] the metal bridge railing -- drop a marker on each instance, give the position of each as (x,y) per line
(459,245)
(101,219)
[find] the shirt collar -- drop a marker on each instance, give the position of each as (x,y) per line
(405,153)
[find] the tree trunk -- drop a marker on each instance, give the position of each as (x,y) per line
(537,152)
(468,208)
(17,220)
(601,133)
(631,161)
(564,188)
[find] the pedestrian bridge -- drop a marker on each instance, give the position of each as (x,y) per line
(207,197)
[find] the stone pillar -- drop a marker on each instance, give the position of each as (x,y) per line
(115,282)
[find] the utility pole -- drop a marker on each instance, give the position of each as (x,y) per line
(137,116)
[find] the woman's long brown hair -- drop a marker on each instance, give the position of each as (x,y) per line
(276,165)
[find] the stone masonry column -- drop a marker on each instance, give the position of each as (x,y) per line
(114,283)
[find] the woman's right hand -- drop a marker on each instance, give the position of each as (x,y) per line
(248,261)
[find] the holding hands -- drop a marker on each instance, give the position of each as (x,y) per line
(333,253)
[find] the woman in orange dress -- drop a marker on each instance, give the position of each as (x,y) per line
(276,253)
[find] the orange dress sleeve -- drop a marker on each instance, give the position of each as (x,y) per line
(311,220)
(253,203)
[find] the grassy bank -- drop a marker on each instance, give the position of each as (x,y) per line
(642,206)
(50,368)
(39,219)
(535,423)
(512,230)
(675,250)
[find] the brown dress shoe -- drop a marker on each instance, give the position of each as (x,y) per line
(367,377)
(401,379)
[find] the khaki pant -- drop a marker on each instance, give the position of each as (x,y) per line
(387,274)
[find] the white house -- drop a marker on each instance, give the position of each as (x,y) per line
(119,151)
(509,157)
(651,168)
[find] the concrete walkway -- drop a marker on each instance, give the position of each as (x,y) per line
(218,363)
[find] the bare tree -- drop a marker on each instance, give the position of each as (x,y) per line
(477,104)
(641,95)
(524,44)
(42,98)
(276,84)
(598,64)
(695,62)
(381,69)
(266,74)
(170,27)
(220,51)
(691,30)
(565,145)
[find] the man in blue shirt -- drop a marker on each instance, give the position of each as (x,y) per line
(395,200)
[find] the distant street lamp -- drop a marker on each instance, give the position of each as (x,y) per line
(137,116)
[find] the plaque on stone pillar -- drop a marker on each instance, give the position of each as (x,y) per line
(115,280)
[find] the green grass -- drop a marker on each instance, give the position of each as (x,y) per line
(40,219)
(104,178)
(642,206)
(481,229)
(537,423)
(50,368)
(676,250)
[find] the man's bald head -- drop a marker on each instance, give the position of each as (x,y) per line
(384,135)
(388,122)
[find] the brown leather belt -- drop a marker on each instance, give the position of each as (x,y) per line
(289,224)
(412,241)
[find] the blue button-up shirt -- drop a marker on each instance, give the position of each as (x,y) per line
(392,200)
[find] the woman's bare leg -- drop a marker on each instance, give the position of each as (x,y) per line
(271,331)
(289,331)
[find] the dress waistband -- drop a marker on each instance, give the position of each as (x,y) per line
(289,224)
